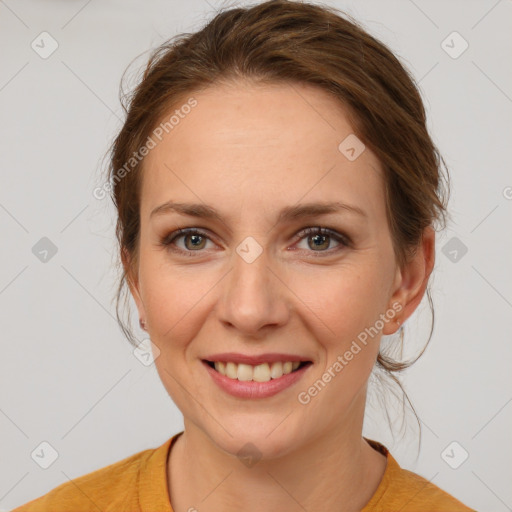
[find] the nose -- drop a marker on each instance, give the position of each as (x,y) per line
(254,298)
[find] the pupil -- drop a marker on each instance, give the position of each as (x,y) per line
(319,238)
(196,240)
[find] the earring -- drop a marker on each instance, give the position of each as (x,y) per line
(142,323)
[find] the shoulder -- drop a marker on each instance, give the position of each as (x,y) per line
(106,489)
(401,489)
(421,494)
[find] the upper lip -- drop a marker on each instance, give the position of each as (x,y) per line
(254,360)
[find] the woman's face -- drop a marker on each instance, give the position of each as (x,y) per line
(251,282)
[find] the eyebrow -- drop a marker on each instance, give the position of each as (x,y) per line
(289,213)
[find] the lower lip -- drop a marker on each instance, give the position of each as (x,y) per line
(252,389)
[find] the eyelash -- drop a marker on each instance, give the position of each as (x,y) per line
(344,240)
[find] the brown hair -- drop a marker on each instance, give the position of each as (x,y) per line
(292,41)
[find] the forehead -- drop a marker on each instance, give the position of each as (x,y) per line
(260,145)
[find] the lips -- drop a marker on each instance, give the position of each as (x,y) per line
(259,368)
(255,376)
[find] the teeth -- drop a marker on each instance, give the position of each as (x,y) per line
(259,373)
(277,370)
(244,372)
(231,370)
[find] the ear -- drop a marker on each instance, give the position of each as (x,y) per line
(133,281)
(411,281)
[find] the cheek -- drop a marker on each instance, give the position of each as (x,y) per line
(341,306)
(174,299)
(342,301)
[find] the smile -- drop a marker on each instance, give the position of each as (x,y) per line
(255,381)
(258,373)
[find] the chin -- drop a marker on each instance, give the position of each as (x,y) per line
(251,440)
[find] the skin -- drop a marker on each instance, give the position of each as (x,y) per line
(248,151)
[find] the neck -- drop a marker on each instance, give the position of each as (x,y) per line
(336,471)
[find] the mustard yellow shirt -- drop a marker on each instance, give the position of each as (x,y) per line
(139,484)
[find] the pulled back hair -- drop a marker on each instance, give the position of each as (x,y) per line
(291,41)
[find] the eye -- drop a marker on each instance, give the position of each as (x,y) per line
(318,239)
(194,241)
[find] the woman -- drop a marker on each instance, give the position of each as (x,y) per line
(277,195)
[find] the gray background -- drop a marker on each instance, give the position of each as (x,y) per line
(67,375)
